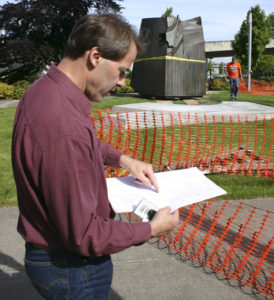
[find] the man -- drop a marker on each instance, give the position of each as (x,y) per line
(65,216)
(234,72)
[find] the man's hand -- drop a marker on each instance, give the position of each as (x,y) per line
(142,172)
(164,221)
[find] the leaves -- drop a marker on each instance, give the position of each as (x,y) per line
(36,31)
(261,32)
(168,12)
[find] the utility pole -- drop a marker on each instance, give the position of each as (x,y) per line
(249,52)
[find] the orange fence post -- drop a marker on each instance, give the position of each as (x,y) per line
(202,161)
(189,146)
(136,144)
(127,143)
(153,139)
(270,148)
(172,140)
(181,143)
(163,140)
(110,128)
(262,151)
(145,138)
(197,144)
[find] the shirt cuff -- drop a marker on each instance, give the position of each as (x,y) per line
(142,232)
(113,158)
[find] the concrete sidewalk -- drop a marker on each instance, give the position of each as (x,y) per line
(8,103)
(143,272)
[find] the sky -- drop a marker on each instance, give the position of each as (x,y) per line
(221,19)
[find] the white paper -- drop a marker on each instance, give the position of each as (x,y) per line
(177,188)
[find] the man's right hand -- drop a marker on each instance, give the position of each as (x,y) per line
(164,221)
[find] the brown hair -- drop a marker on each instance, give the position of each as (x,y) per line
(111,33)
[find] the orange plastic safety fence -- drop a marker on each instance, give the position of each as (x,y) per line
(229,238)
(263,88)
(215,143)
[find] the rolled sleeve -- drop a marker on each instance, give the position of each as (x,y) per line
(111,156)
(142,233)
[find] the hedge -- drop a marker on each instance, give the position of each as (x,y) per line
(13,91)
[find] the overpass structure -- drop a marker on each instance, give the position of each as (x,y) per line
(224,49)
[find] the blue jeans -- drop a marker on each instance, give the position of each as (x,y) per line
(60,275)
(234,87)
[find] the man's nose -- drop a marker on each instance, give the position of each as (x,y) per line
(121,82)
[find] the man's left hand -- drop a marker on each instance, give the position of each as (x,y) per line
(142,171)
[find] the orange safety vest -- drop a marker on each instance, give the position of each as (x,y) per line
(233,69)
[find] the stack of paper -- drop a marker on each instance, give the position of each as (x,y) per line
(177,188)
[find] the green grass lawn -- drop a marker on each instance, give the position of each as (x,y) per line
(237,186)
(225,96)
(244,187)
(7,186)
(116,100)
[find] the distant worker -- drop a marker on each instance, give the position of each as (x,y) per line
(234,72)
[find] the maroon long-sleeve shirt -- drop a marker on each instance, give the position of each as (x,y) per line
(58,165)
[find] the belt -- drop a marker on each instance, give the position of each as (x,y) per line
(40,246)
(84,259)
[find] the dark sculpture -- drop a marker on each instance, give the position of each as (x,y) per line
(173,64)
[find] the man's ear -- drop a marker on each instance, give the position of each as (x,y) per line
(94,56)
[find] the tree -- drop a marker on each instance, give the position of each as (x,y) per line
(168,13)
(266,64)
(261,32)
(271,20)
(221,68)
(210,67)
(35,33)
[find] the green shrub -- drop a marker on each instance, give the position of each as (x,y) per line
(6,91)
(217,84)
(126,89)
(220,84)
(22,83)
(20,88)
(225,85)
(15,91)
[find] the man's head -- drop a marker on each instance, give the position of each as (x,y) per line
(105,47)
(110,33)
(233,58)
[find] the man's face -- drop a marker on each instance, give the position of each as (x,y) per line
(108,74)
